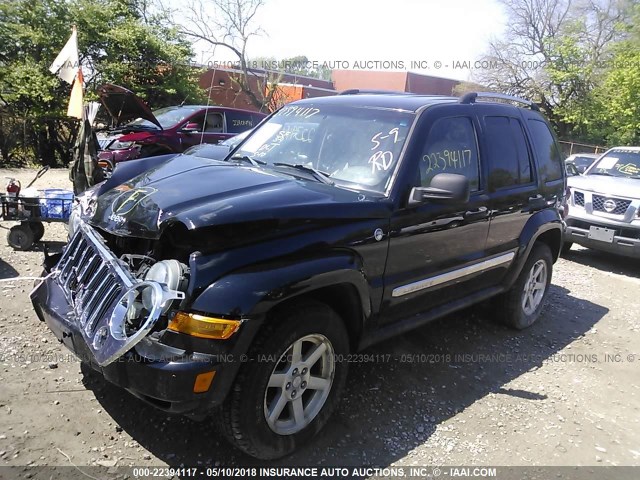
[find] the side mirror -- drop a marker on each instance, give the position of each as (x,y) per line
(444,188)
(191,128)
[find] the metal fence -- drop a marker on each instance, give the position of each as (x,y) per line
(569,148)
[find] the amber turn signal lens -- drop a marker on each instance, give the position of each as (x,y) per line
(203,382)
(203,327)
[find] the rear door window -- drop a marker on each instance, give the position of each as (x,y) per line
(239,121)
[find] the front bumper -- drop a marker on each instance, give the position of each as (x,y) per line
(166,384)
(626,239)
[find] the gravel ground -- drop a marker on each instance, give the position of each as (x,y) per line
(459,391)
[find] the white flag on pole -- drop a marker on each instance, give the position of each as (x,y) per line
(66,63)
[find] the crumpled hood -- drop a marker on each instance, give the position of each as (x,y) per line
(199,192)
(607,186)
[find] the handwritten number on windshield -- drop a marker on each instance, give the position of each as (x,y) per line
(393,132)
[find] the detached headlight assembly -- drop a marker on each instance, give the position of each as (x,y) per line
(139,308)
(171,273)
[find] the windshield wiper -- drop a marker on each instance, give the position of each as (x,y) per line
(247,158)
(317,174)
(606,174)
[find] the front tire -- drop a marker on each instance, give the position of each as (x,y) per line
(292,383)
(520,307)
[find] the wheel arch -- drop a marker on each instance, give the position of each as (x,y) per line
(343,298)
(546,227)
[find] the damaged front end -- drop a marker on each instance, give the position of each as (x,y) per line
(113,310)
(125,315)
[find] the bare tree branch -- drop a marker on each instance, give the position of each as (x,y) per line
(230,25)
(552,50)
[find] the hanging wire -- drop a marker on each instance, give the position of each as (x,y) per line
(206,112)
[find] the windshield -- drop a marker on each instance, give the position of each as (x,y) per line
(618,163)
(206,150)
(581,161)
(236,139)
(167,117)
(356,147)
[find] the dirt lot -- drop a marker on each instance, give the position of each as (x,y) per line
(564,392)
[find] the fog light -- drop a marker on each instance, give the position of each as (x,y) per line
(203,382)
(203,327)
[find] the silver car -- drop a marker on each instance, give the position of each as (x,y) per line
(604,208)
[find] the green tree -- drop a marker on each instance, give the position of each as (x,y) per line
(119,41)
(613,108)
(554,52)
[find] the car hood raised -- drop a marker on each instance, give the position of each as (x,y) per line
(200,193)
(607,186)
(123,105)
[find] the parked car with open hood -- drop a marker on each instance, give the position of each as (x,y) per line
(237,288)
(604,209)
(138,132)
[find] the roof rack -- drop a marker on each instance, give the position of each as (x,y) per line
(472,96)
(358,91)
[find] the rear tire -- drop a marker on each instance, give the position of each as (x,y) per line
(287,390)
(520,307)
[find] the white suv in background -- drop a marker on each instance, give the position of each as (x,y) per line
(604,208)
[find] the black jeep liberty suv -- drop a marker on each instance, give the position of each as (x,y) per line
(236,288)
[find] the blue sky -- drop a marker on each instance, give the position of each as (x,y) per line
(427,31)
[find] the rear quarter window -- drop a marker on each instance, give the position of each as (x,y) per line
(549,158)
(238,122)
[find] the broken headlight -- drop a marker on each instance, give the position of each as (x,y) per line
(171,273)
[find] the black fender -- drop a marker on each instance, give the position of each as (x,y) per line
(545,224)
(253,291)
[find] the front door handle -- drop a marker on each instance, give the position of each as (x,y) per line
(479,212)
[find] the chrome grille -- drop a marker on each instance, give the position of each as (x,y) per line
(93,281)
(578,198)
(620,207)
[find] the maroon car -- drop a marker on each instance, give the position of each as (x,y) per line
(166,130)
